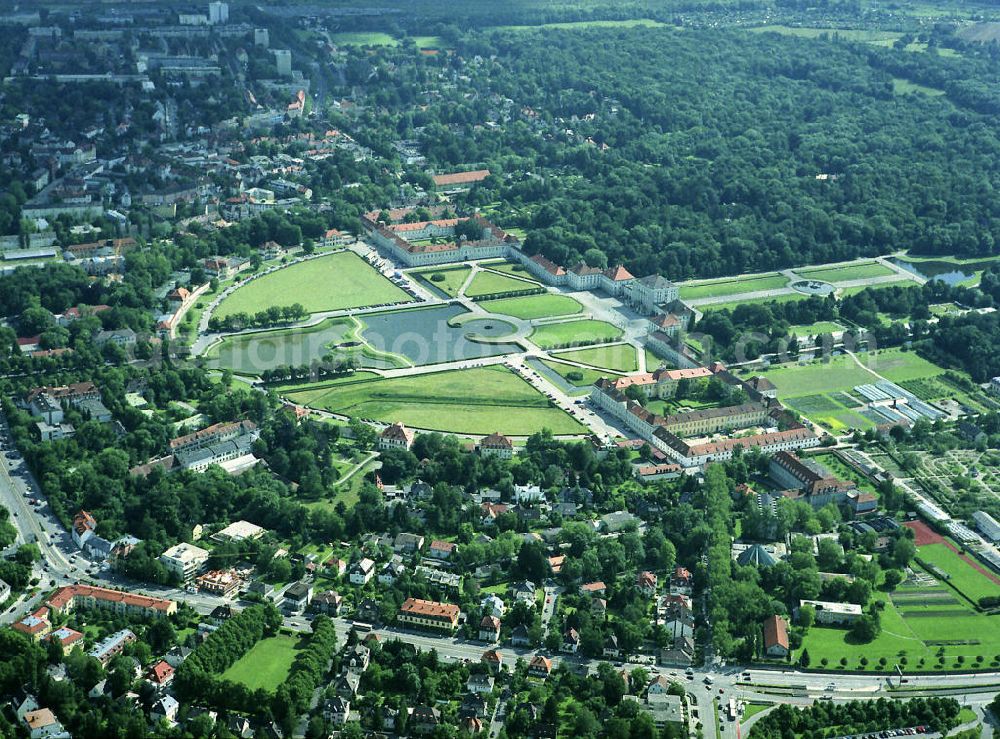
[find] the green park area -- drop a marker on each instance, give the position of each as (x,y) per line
(448,280)
(533,306)
(509,268)
(879,38)
(470,401)
(583,25)
(901,366)
(615,357)
(493,283)
(971,582)
(266,665)
(816,329)
(571,333)
(364,38)
(846,272)
(733,304)
(334,282)
(732,286)
(580,378)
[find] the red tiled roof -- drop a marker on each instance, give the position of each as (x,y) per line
(775,632)
(461,178)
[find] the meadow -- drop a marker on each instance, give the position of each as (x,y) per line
(732,286)
(334,282)
(615,357)
(493,283)
(533,306)
(266,665)
(845,273)
(480,400)
(570,333)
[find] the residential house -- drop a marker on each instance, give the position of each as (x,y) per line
(165,709)
(834,613)
(111,646)
(776,637)
(599,608)
(493,605)
(357,658)
(337,710)
(681,581)
(646,583)
(328,602)
(390,571)
(524,591)
(406,543)
(519,636)
(480,683)
(298,596)
(160,674)
(540,667)
(528,494)
(611,648)
(493,661)
(679,654)
(346,686)
(185,560)
(362,571)
(570,641)
(496,445)
(441,549)
(489,629)
(423,719)
(594,588)
(428,614)
(43,724)
(396,436)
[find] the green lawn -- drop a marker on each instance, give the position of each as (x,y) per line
(266,665)
(587,377)
(815,329)
(840,373)
(471,401)
(846,272)
(491,283)
(511,268)
(454,278)
(364,38)
(617,357)
(964,577)
(733,304)
(555,335)
(905,87)
(572,25)
(534,306)
(428,42)
(753,709)
(732,286)
(880,38)
(334,282)
(899,366)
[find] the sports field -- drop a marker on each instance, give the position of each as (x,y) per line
(533,306)
(333,282)
(491,283)
(569,333)
(965,578)
(470,401)
(449,280)
(266,665)
(616,357)
(845,273)
(732,286)
(364,38)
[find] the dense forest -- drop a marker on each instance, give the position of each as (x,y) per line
(725,152)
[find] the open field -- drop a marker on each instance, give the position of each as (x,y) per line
(334,282)
(267,663)
(491,283)
(533,306)
(869,37)
(899,366)
(579,377)
(845,273)
(901,282)
(795,380)
(815,329)
(732,286)
(733,304)
(617,357)
(905,87)
(454,278)
(574,25)
(555,335)
(364,38)
(471,401)
(965,578)
(511,268)
(916,634)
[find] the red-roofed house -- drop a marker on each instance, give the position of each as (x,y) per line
(489,628)
(681,581)
(396,436)
(540,667)
(776,637)
(441,549)
(646,582)
(161,673)
(36,625)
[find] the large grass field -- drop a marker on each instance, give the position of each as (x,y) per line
(334,282)
(471,401)
(533,306)
(846,272)
(815,329)
(880,38)
(364,38)
(579,377)
(617,357)
(555,335)
(964,577)
(267,663)
(899,366)
(453,278)
(733,304)
(732,286)
(575,25)
(840,373)
(492,283)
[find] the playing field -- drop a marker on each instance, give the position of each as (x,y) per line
(266,665)
(845,273)
(616,357)
(569,333)
(533,306)
(449,280)
(732,286)
(470,401)
(364,38)
(334,282)
(965,578)
(491,283)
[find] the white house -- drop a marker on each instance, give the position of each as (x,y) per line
(362,571)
